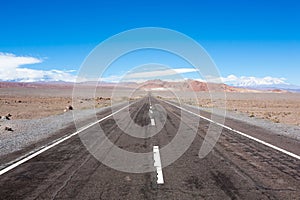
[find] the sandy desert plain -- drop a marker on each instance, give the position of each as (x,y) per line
(38,101)
(276,107)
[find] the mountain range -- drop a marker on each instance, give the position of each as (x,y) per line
(157,84)
(270,87)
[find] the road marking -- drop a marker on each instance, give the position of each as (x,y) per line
(151,111)
(240,133)
(33,154)
(157,165)
(152,122)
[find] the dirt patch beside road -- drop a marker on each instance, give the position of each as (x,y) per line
(23,107)
(276,107)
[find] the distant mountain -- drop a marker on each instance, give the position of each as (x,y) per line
(245,81)
(190,85)
(283,87)
(54,84)
(160,85)
(265,83)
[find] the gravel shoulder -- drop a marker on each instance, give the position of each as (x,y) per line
(29,131)
(291,131)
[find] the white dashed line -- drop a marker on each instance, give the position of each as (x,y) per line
(152,122)
(157,165)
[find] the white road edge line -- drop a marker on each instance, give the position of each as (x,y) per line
(152,122)
(26,158)
(240,133)
(157,165)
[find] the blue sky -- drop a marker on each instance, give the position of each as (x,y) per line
(50,39)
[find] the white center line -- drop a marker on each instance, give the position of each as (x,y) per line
(157,165)
(240,133)
(45,148)
(152,122)
(149,100)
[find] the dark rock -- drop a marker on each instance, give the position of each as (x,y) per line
(8,128)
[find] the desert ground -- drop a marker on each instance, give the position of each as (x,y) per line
(35,103)
(276,107)
(279,108)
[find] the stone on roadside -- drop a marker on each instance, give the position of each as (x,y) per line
(6,117)
(69,107)
(8,128)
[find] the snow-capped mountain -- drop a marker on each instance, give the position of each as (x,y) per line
(265,83)
(287,87)
(245,81)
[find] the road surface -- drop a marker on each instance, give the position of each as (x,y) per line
(237,167)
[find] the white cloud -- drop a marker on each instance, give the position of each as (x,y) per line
(251,81)
(10,70)
(158,73)
(140,77)
(11,61)
(112,79)
(200,80)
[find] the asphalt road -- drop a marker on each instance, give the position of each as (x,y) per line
(237,167)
